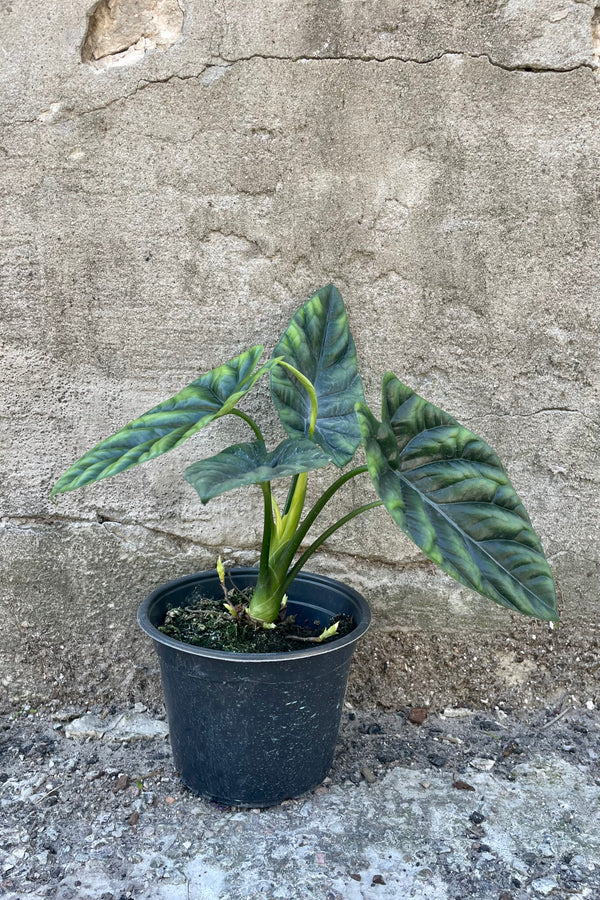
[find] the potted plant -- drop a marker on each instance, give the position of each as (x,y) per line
(253,728)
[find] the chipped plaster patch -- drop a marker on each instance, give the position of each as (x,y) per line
(596,36)
(121,32)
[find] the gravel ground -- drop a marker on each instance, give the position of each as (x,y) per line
(495,804)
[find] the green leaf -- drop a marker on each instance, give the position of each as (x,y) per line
(448,491)
(168,424)
(318,343)
(244,464)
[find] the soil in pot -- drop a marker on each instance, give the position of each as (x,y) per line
(204,622)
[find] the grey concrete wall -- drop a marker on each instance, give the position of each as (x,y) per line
(169,203)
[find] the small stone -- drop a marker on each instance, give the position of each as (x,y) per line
(120,728)
(510,748)
(66,715)
(437,760)
(377,879)
(488,725)
(476,817)
(462,785)
(543,887)
(134,818)
(482,764)
(371,728)
(456,713)
(355,877)
(368,774)
(417,715)
(170,800)
(120,784)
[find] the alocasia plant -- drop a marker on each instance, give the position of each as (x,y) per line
(441,484)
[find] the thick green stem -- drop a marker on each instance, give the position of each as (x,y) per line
(302,531)
(322,538)
(290,495)
(267,531)
(250,421)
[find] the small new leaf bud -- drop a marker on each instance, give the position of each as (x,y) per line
(221,571)
(328,632)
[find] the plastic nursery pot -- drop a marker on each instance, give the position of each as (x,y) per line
(253,729)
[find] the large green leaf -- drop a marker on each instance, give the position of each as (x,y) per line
(318,343)
(168,424)
(244,464)
(448,491)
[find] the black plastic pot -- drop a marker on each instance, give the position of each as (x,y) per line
(253,729)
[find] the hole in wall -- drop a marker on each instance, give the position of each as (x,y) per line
(122,32)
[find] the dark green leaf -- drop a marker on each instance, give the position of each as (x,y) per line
(251,464)
(318,343)
(168,424)
(449,492)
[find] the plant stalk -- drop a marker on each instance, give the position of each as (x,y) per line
(321,540)
(250,421)
(265,549)
(299,535)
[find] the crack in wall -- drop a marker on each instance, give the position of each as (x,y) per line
(184,542)
(228,63)
(367,58)
(536,412)
(225,63)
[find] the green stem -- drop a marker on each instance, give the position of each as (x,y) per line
(302,531)
(266,489)
(250,421)
(290,495)
(267,530)
(310,390)
(322,538)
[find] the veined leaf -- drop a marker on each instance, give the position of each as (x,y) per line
(244,464)
(448,491)
(318,343)
(168,424)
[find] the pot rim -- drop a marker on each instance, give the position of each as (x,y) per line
(361,615)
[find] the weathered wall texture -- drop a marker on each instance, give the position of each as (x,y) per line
(171,200)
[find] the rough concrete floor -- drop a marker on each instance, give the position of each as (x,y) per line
(491,805)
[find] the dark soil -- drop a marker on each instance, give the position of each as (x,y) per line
(204,622)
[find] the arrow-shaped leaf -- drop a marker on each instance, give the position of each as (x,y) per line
(448,491)
(244,464)
(168,424)
(318,343)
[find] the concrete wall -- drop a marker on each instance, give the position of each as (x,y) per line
(170,201)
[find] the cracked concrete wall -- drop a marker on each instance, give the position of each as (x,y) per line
(438,162)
